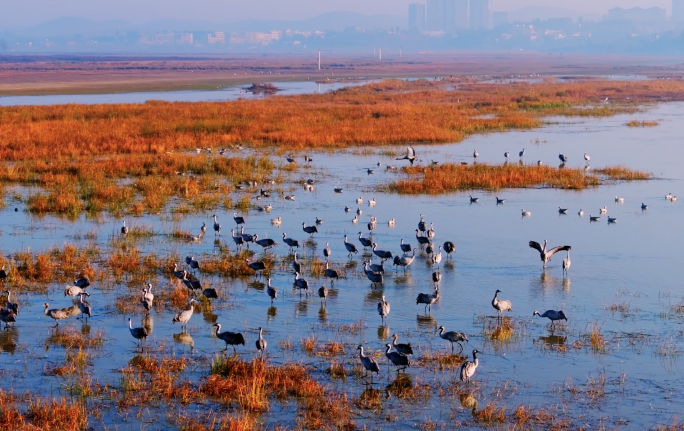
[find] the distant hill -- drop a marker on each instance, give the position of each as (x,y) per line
(530,13)
(336,21)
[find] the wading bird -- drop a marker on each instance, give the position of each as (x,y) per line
(397,358)
(309,229)
(7,317)
(469,367)
(383,309)
(405,248)
(453,337)
(265,243)
(436,277)
(365,242)
(563,158)
(351,248)
(566,263)
(85,308)
(217,227)
(545,255)
(473,200)
(210,293)
(500,306)
(124,229)
(526,213)
(522,153)
(437,257)
(232,338)
(562,210)
(260,343)
(405,261)
(331,274)
(406,349)
(373,277)
(137,333)
(326,251)
(552,315)
(500,201)
(323,293)
(12,306)
(292,243)
(191,284)
(81,282)
(57,314)
(258,267)
(272,291)
(475,154)
(296,266)
(184,316)
(301,284)
(428,299)
(382,254)
(449,247)
(238,219)
(368,363)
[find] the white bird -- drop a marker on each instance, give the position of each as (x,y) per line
(580,213)
(603,210)
(372,202)
(668,196)
(617,199)
(545,255)
(475,154)
(501,306)
(359,200)
(469,367)
(674,199)
(383,308)
(507,153)
(566,263)
(526,213)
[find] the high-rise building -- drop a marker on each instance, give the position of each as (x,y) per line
(219,37)
(462,14)
(416,17)
(435,15)
(499,18)
(479,14)
(678,10)
(442,14)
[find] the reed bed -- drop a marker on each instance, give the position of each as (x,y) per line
(637,123)
(451,178)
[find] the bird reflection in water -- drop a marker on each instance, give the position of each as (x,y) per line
(566,284)
(449,265)
(426,322)
(8,340)
(401,386)
(403,279)
(271,313)
(85,328)
(301,308)
(148,324)
(554,340)
(257,285)
(208,315)
(184,338)
(383,332)
(373,296)
(469,402)
(322,314)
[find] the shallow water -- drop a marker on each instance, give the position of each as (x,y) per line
(634,262)
(287,88)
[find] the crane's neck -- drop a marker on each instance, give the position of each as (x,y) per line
(218,328)
(46,310)
(389,347)
(130,326)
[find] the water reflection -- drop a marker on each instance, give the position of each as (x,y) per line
(554,340)
(301,308)
(469,402)
(257,285)
(9,339)
(383,332)
(184,338)
(426,323)
(271,313)
(401,386)
(85,329)
(209,315)
(148,324)
(373,296)
(322,314)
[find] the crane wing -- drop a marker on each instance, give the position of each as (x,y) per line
(411,153)
(557,249)
(535,245)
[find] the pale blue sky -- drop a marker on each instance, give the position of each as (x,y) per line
(15,13)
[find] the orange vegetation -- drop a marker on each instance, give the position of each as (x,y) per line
(449,178)
(636,123)
(43,414)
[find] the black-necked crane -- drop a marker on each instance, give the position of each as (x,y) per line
(331,274)
(301,284)
(137,333)
(292,243)
(265,243)
(375,267)
(373,277)
(238,219)
(382,254)
(365,242)
(309,229)
(405,248)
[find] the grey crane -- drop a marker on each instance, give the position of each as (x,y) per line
(372,224)
(292,243)
(365,242)
(522,153)
(545,255)
(358,211)
(399,360)
(261,343)
(193,284)
(295,263)
(499,305)
(309,229)
(428,298)
(82,281)
(319,221)
(184,316)
(453,337)
(475,154)
(383,309)
(257,267)
(326,251)
(410,155)
(7,316)
(210,293)
(644,206)
(566,263)
(351,248)
(563,158)
(500,201)
(301,284)
(437,257)
(12,306)
(217,226)
(124,229)
(469,367)
(57,314)
(246,238)
(473,200)
(323,293)
(405,248)
(265,243)
(422,240)
(238,219)
(382,254)
(137,333)
(190,260)
(368,363)
(232,338)
(377,268)
(203,229)
(506,154)
(449,247)
(85,308)
(178,274)
(436,277)
(373,277)
(405,261)
(552,315)
(422,226)
(271,291)
(406,349)
(331,274)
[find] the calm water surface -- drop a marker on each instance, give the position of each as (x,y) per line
(635,262)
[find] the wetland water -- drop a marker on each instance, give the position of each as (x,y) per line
(634,383)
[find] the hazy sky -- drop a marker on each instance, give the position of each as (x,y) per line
(15,13)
